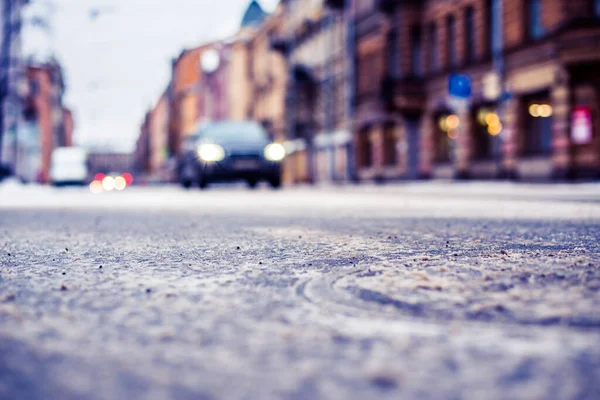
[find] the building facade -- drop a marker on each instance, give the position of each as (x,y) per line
(242,63)
(196,95)
(267,76)
(158,146)
(141,154)
(43,123)
(533,108)
(314,42)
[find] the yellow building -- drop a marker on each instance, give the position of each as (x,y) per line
(268,76)
(240,68)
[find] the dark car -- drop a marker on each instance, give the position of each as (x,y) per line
(230,151)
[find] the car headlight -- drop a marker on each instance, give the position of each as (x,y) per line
(274,152)
(211,152)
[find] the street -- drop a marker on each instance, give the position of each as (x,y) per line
(415,291)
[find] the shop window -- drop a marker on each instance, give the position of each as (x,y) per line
(534,23)
(364,149)
(416,50)
(451,52)
(486,126)
(389,145)
(470,36)
(446,131)
(434,64)
(537,134)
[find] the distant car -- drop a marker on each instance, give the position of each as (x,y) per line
(69,166)
(230,151)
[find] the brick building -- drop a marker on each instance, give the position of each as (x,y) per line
(158,140)
(533,112)
(44,123)
(195,95)
(68,126)
(142,152)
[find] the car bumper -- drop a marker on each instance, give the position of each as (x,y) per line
(230,170)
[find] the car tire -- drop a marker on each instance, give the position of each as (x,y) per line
(202,183)
(252,183)
(186,184)
(275,182)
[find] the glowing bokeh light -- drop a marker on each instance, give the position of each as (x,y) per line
(120,183)
(128,178)
(545,110)
(495,129)
(96,187)
(534,110)
(452,121)
(99,176)
(274,152)
(481,115)
(443,124)
(492,119)
(108,183)
(453,134)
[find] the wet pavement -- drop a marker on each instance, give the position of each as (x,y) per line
(429,291)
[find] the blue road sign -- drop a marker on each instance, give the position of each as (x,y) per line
(459,85)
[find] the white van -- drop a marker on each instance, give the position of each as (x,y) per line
(69,165)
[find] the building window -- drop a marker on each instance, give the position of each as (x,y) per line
(451,41)
(416,51)
(486,126)
(495,26)
(537,133)
(534,19)
(389,145)
(446,130)
(470,38)
(393,53)
(433,48)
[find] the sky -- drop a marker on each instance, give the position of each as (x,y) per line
(116,55)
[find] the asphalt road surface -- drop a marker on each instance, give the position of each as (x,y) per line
(425,291)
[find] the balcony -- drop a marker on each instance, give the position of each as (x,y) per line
(403,94)
(577,44)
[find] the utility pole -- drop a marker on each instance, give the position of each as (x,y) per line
(498,62)
(5,64)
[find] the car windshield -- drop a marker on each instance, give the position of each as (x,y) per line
(234,131)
